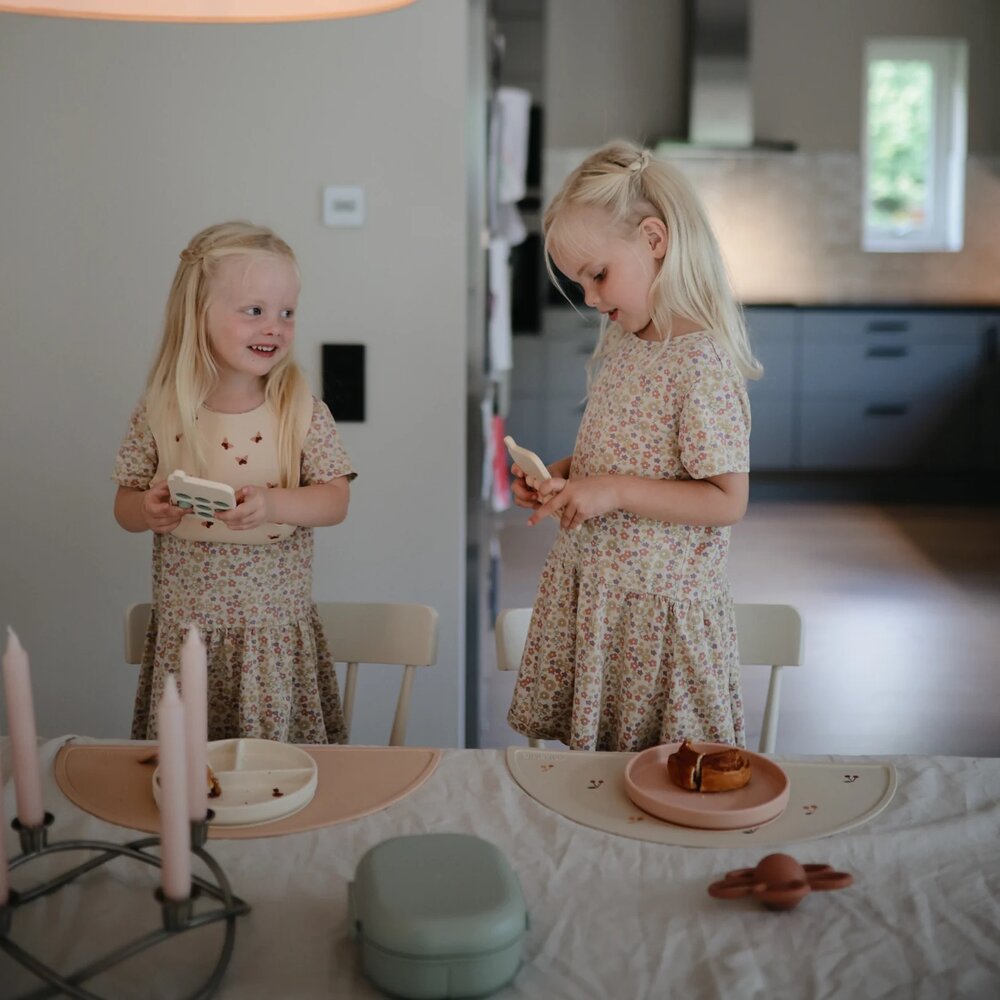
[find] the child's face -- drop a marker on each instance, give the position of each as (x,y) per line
(615,269)
(251,313)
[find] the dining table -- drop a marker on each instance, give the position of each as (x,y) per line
(617,897)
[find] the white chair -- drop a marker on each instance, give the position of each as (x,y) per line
(769,634)
(405,634)
(136,627)
(402,634)
(510,635)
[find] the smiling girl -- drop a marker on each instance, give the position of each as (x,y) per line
(225,401)
(633,637)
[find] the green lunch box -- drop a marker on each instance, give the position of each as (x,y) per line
(437,915)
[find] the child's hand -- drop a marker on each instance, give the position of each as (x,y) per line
(253,508)
(161,516)
(576,500)
(544,492)
(524,489)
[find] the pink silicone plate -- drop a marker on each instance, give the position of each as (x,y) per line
(648,785)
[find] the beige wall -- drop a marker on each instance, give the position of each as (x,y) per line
(616,68)
(117,142)
(612,69)
(789,224)
(808,57)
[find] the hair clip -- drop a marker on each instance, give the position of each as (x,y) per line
(189,256)
(640,163)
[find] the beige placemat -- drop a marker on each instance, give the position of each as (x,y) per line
(110,782)
(589,788)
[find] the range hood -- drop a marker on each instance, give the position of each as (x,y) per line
(719,102)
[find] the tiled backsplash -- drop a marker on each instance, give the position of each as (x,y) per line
(790,228)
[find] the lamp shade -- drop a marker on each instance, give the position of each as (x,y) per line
(206,11)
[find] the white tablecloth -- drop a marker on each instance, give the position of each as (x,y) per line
(610,916)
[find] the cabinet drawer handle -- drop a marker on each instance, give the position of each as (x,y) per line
(887,352)
(888,326)
(886,410)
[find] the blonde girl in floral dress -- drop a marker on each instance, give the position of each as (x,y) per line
(632,640)
(226,401)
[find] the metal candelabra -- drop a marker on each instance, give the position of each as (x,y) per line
(179,916)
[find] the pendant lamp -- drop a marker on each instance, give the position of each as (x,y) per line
(207,11)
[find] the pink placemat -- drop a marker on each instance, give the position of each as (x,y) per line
(112,783)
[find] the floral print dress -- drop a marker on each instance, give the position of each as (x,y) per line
(270,674)
(632,640)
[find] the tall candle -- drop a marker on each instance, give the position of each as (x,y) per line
(175,830)
(23,737)
(194,694)
(4,875)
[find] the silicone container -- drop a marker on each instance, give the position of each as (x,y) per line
(437,915)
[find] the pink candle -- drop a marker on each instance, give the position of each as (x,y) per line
(4,875)
(23,737)
(194,693)
(175,830)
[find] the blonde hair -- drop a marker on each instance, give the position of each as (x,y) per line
(630,184)
(184,373)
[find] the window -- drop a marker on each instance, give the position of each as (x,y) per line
(914,144)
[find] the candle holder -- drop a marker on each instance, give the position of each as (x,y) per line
(179,916)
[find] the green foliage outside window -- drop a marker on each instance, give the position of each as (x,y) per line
(900,117)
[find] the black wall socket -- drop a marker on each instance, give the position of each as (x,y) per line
(344,381)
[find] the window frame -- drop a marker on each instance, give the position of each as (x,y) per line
(946,177)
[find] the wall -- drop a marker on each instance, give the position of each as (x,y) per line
(806,67)
(789,224)
(618,69)
(613,69)
(790,227)
(119,142)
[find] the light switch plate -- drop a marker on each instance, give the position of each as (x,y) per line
(343,206)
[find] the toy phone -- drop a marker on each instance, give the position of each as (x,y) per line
(530,463)
(204,496)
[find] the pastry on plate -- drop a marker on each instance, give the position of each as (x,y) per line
(717,771)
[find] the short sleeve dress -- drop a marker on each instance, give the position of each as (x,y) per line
(632,641)
(270,674)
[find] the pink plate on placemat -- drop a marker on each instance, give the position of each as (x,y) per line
(648,785)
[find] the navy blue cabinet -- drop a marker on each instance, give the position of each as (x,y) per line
(870,389)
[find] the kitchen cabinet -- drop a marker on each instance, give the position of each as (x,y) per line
(888,390)
(844,389)
(989,395)
(869,389)
(549,383)
(774,401)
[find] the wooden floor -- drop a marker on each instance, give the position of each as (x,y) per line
(901,608)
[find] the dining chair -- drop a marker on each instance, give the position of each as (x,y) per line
(510,633)
(375,633)
(380,633)
(768,634)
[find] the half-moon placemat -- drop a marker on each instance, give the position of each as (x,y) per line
(112,783)
(589,788)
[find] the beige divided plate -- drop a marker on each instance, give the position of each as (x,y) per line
(648,785)
(261,781)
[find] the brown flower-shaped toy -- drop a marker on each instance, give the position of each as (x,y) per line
(779,882)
